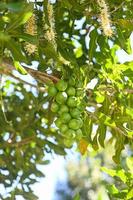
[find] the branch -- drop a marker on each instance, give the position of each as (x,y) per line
(21,143)
(40,76)
(129,91)
(43,77)
(41,89)
(120,131)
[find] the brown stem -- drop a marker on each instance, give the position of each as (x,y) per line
(40,76)
(41,89)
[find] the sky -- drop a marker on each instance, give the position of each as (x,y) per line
(54,172)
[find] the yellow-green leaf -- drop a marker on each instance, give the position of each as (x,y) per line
(19,68)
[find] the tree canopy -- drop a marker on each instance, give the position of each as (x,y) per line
(79,91)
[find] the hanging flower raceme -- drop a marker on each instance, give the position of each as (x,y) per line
(31,28)
(50,33)
(105,18)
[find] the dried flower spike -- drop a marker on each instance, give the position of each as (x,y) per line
(105,18)
(30,28)
(50,33)
(30,48)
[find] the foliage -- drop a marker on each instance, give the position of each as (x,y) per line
(126,176)
(68,41)
(89,181)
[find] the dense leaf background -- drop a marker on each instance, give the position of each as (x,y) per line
(78,48)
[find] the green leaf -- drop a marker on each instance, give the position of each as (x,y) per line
(28,38)
(102,134)
(43,162)
(129,111)
(110,172)
(4,37)
(125,23)
(87,128)
(122,175)
(16,50)
(95,142)
(118,172)
(66,4)
(99,97)
(49,50)
(20,18)
(76,197)
(130,194)
(57,149)
(122,40)
(30,196)
(121,195)
(119,146)
(129,162)
(78,52)
(112,189)
(15,7)
(92,44)
(3,6)
(20,68)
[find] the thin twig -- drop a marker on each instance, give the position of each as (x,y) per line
(21,143)
(117,8)
(129,91)
(8,73)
